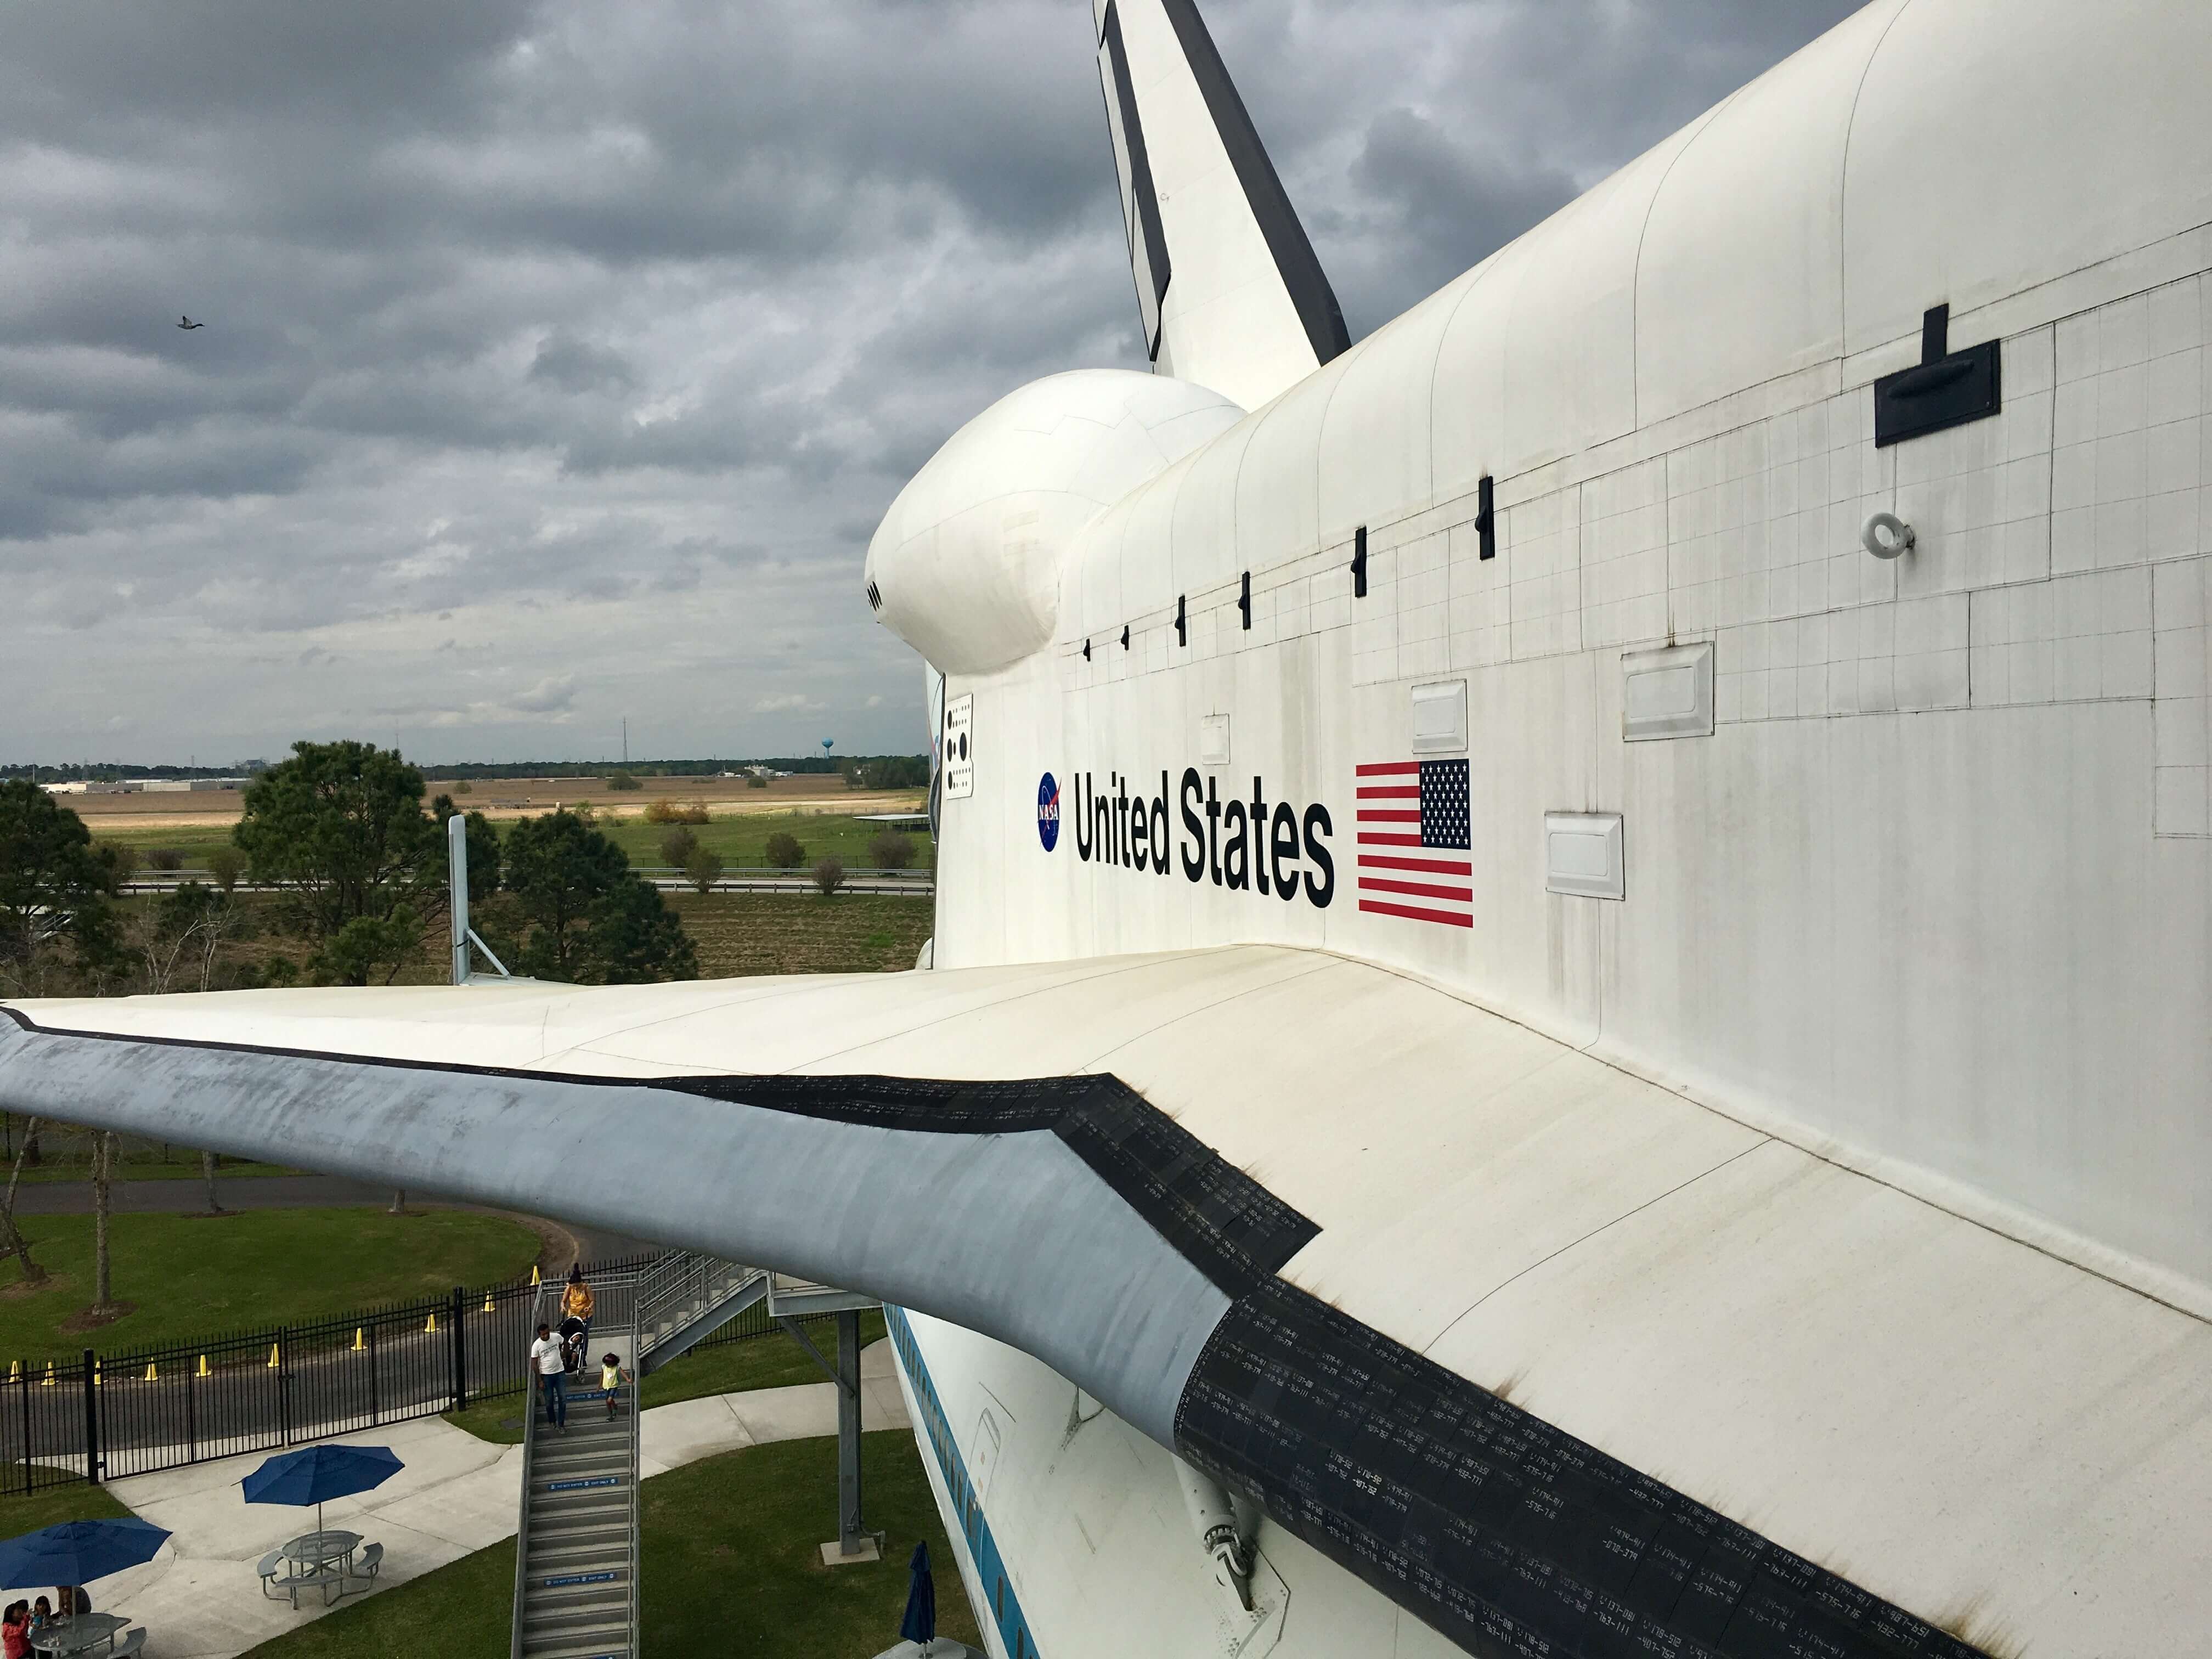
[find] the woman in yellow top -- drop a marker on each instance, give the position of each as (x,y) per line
(576,1305)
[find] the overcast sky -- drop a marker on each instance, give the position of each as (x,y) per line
(561,357)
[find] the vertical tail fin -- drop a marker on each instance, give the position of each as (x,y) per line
(1229,290)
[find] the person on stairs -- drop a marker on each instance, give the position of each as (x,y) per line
(576,1301)
(552,1376)
(612,1376)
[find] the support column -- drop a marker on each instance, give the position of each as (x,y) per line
(853,1542)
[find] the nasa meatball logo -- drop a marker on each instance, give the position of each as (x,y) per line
(1049,811)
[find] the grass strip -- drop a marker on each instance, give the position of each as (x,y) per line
(732,1566)
(188,1277)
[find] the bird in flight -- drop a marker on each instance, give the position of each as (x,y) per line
(186,322)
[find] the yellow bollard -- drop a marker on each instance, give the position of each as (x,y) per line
(273,1359)
(204,1370)
(487,1301)
(431,1324)
(358,1345)
(533,1274)
(152,1376)
(49,1382)
(97,1379)
(14,1371)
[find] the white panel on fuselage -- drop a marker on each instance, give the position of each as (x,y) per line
(1747,227)
(2000,143)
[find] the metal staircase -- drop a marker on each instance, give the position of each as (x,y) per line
(576,1539)
(684,1297)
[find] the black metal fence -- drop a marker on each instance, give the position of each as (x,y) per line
(105,1416)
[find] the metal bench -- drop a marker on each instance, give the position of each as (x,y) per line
(330,1580)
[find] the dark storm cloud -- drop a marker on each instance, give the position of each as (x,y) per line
(560,357)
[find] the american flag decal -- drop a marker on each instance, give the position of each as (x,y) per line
(1413,818)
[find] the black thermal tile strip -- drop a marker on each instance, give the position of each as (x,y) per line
(1225,1222)
(1506,1534)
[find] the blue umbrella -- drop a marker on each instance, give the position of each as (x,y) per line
(919,1625)
(315,1473)
(77,1551)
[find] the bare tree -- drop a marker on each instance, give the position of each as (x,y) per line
(207,1174)
(12,1242)
(829,876)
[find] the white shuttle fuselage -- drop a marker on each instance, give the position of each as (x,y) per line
(1534,648)
(1568,1013)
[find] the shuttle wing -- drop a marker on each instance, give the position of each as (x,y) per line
(1228,287)
(1485,1319)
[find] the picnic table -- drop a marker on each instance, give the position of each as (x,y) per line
(66,1637)
(313,1551)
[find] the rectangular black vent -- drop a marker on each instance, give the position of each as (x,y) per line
(1182,627)
(875,597)
(1946,388)
(1244,601)
(1486,515)
(1359,562)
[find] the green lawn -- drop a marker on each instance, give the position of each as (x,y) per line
(21,1512)
(192,1277)
(731,1566)
(772,1361)
(741,839)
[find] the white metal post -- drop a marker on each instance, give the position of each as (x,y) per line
(457,867)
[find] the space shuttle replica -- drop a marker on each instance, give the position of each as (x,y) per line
(1570,1010)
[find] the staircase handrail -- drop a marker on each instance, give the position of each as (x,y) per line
(530,1408)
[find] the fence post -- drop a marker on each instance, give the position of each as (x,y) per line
(91,1423)
(285,1381)
(375,1410)
(460,1350)
(28,1463)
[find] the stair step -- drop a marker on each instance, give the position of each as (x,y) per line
(602,1626)
(569,1532)
(565,1650)
(609,1605)
(579,1645)
(601,1458)
(611,1556)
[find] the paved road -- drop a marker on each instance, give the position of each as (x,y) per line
(301,1192)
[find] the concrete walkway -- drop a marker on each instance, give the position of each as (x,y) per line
(200,1598)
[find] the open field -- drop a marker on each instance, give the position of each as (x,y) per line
(739,933)
(731,1566)
(187,1276)
(737,831)
(735,933)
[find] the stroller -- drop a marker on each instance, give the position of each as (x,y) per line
(574,1340)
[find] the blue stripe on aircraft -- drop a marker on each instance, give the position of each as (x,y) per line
(1006,1608)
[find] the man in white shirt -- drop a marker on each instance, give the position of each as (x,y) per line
(545,1356)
